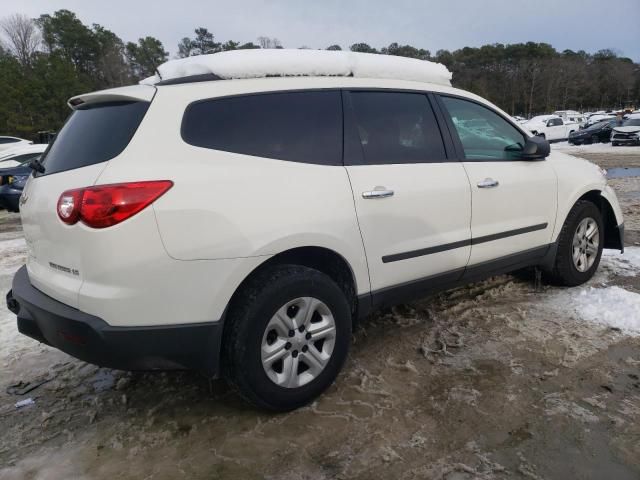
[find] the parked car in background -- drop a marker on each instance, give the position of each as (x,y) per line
(599,117)
(19,155)
(14,172)
(12,181)
(551,127)
(628,133)
(11,142)
(571,116)
(597,133)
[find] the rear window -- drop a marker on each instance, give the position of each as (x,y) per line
(294,126)
(94,134)
(4,140)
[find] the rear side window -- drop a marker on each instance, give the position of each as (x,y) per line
(396,127)
(94,134)
(295,126)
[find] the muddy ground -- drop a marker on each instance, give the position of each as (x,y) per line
(493,380)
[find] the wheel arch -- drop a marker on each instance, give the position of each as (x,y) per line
(322,259)
(612,237)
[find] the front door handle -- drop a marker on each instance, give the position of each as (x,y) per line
(378,192)
(488,183)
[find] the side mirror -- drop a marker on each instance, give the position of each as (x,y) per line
(536,148)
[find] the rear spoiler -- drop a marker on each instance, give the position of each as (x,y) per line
(133,93)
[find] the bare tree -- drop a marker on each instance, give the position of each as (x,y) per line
(267,42)
(22,36)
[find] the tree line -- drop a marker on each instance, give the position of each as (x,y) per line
(46,60)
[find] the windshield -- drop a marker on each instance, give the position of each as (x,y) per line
(632,122)
(599,125)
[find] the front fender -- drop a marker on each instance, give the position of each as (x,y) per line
(610,196)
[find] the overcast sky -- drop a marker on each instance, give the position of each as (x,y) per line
(588,25)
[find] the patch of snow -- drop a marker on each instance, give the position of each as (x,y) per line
(612,306)
(12,255)
(627,264)
(259,63)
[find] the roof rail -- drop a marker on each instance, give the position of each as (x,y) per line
(203,77)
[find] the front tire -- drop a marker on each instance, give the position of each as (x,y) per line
(287,337)
(579,245)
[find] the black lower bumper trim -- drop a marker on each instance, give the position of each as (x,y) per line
(89,338)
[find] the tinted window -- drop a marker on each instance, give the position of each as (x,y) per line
(94,134)
(8,140)
(397,128)
(295,126)
(496,139)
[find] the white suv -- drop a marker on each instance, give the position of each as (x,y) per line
(241,226)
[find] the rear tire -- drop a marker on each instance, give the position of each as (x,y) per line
(280,298)
(579,246)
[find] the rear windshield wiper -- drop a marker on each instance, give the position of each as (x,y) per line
(36,165)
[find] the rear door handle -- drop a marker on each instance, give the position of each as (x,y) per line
(378,192)
(488,183)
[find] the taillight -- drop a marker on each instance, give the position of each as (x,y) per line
(102,206)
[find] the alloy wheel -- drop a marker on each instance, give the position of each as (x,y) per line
(586,242)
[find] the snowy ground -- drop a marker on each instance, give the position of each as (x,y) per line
(603,153)
(596,148)
(492,380)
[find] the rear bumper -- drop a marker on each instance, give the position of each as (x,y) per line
(89,338)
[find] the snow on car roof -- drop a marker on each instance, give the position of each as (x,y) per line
(260,63)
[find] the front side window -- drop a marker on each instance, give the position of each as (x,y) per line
(484,134)
(397,127)
(294,126)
